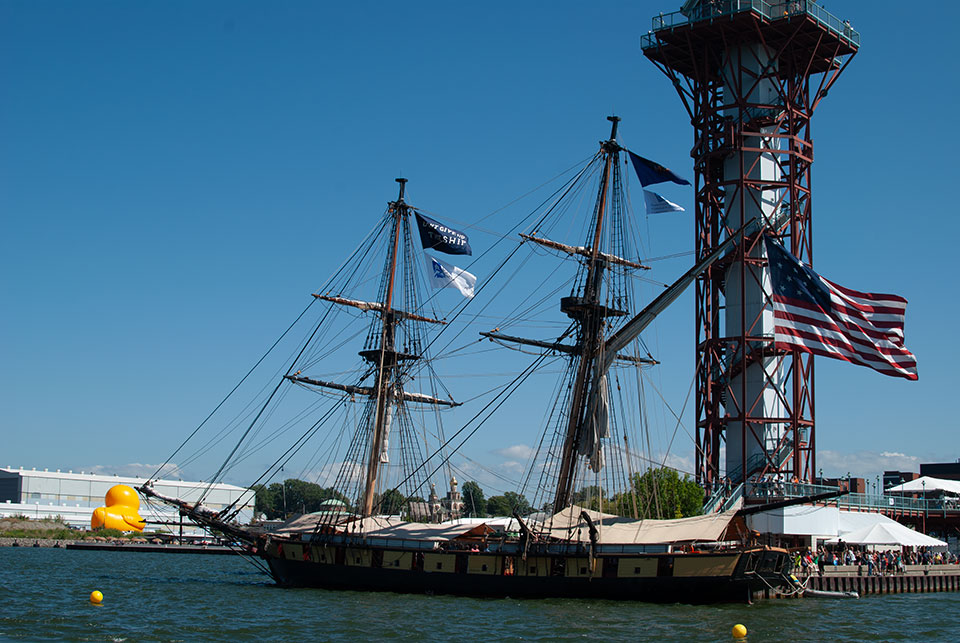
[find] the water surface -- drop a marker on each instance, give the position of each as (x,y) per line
(164,597)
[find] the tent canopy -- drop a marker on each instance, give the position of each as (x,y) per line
(926,483)
(882,531)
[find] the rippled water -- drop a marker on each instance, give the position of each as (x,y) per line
(159,597)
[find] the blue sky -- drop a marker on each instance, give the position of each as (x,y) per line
(176,178)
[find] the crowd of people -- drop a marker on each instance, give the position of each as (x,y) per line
(873,563)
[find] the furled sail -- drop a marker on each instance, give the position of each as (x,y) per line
(598,427)
(387,423)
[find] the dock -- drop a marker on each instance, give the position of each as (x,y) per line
(914,579)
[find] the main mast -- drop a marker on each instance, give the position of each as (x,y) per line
(590,313)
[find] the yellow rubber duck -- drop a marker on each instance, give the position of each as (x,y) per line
(121,512)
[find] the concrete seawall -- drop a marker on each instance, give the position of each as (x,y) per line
(923,579)
(915,579)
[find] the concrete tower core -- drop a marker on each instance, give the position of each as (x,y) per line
(748,293)
(750,75)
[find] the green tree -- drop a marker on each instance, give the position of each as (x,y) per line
(473,501)
(506,504)
(661,494)
(590,497)
(390,502)
(268,500)
(291,497)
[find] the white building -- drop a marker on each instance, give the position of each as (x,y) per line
(437,509)
(74,496)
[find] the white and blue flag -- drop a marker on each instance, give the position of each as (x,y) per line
(444,275)
(656,204)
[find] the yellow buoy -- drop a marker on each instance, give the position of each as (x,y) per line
(96,597)
(739,631)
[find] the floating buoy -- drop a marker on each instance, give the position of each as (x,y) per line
(96,597)
(739,631)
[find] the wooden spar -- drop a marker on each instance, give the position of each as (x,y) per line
(561,348)
(387,362)
(584,252)
(591,328)
(369,391)
(632,329)
(378,307)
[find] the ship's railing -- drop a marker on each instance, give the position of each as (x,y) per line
(492,547)
(713,10)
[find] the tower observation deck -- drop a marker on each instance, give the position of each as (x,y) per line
(750,75)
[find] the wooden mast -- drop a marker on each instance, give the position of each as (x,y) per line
(590,315)
(387,360)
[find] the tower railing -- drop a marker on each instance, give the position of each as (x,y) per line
(724,9)
(771,491)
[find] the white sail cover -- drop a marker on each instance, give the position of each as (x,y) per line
(384,527)
(568,525)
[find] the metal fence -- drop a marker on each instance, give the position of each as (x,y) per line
(722,9)
(859,501)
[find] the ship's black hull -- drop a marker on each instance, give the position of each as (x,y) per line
(696,585)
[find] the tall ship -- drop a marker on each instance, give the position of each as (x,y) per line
(377,427)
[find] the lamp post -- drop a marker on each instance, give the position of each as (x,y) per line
(923,484)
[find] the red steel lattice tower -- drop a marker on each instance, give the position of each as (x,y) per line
(750,74)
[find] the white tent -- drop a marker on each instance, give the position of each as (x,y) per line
(926,483)
(884,531)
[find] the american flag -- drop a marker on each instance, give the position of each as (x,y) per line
(817,316)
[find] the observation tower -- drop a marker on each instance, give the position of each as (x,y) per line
(750,74)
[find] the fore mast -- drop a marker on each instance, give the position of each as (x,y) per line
(385,359)
(390,363)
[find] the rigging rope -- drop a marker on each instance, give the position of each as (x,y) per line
(242,380)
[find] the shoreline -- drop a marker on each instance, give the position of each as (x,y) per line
(36,542)
(115,545)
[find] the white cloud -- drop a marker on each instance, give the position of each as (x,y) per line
(516,459)
(683,464)
(516,452)
(864,464)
